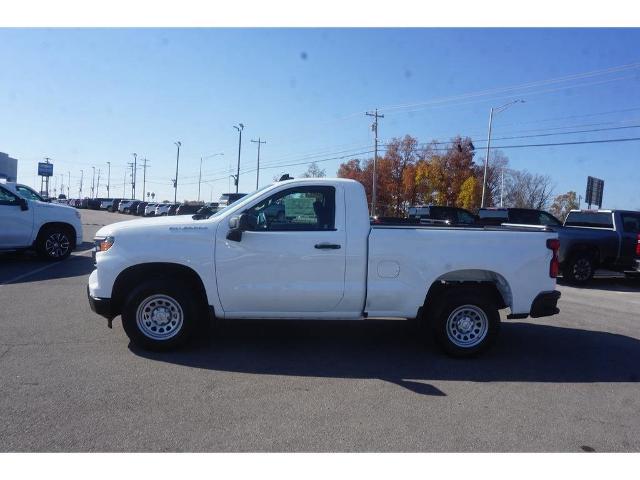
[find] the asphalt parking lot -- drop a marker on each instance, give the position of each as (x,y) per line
(67,383)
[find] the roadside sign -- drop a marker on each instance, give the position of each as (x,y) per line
(45,169)
(595,187)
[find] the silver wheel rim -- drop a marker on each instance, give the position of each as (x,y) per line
(582,269)
(159,317)
(467,326)
(56,245)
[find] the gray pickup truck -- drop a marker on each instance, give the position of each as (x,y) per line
(591,239)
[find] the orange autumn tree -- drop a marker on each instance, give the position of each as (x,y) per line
(441,173)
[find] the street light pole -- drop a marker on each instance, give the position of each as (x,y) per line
(175,182)
(200,174)
(238,127)
(496,110)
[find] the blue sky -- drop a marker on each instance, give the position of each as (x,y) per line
(87,96)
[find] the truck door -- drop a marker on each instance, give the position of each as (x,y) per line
(293,261)
(17,224)
(629,231)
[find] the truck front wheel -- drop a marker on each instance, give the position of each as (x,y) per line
(466,322)
(54,243)
(159,316)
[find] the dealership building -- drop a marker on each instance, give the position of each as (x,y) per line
(8,167)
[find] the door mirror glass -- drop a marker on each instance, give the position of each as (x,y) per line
(24,205)
(241,223)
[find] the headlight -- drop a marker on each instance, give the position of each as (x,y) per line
(103,244)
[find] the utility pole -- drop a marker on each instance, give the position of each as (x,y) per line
(133,176)
(501,185)
(69,185)
(109,181)
(175,180)
(144,177)
(374,127)
(238,127)
(62,183)
(98,184)
(124,184)
(259,142)
(81,178)
(486,160)
(93,182)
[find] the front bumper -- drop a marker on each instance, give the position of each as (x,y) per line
(545,304)
(101,306)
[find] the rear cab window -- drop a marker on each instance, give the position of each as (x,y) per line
(589,219)
(631,222)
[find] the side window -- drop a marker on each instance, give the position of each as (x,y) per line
(631,223)
(465,217)
(297,209)
(547,219)
(7,198)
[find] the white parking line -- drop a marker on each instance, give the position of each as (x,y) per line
(44,267)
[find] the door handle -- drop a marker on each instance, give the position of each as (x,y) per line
(327,246)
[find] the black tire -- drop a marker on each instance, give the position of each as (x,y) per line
(55,243)
(476,311)
(579,269)
(166,296)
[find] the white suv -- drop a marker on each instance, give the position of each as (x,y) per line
(27,221)
(163,209)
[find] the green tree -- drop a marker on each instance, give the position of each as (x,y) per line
(564,203)
(470,193)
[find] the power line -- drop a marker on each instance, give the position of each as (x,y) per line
(522,86)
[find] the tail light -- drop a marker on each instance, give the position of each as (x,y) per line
(638,246)
(553,244)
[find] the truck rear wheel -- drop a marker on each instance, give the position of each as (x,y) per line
(160,316)
(465,322)
(579,269)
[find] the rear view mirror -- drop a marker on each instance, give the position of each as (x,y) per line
(24,205)
(241,223)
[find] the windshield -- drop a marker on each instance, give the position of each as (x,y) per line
(27,193)
(242,200)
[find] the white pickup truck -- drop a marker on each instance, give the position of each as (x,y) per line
(27,221)
(322,259)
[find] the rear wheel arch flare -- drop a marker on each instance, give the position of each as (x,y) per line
(481,279)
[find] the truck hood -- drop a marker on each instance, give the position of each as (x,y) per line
(148,225)
(53,209)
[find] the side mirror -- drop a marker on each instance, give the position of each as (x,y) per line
(241,223)
(24,205)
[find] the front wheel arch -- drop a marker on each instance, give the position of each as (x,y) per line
(172,272)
